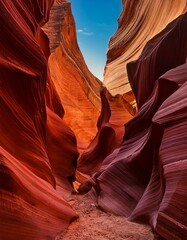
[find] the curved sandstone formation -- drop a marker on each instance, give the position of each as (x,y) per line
(114,115)
(79,92)
(138,171)
(30,206)
(138,23)
(77,87)
(62,152)
(145,179)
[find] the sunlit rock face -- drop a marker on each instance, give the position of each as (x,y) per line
(145,178)
(138,23)
(77,87)
(31,137)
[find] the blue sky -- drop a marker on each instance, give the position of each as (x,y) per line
(96,22)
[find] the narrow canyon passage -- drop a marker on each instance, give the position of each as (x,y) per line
(122,142)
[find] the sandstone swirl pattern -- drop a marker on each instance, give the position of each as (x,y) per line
(138,171)
(145,179)
(30,206)
(77,87)
(138,23)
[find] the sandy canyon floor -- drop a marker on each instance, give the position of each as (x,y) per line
(94,224)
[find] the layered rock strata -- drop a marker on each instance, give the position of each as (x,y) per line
(31,151)
(77,87)
(145,179)
(138,23)
(139,171)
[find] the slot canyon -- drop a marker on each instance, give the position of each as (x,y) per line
(116,147)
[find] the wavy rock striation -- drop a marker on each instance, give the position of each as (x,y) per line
(145,179)
(139,171)
(138,23)
(77,87)
(114,115)
(33,155)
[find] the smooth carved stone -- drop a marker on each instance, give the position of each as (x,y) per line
(30,206)
(145,178)
(137,24)
(114,115)
(77,87)
(62,152)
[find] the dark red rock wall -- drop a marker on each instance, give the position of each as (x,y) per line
(30,206)
(145,179)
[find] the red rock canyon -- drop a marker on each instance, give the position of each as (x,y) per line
(122,140)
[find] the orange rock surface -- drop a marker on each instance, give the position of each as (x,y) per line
(77,87)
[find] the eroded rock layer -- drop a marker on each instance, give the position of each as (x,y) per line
(30,206)
(114,115)
(138,23)
(77,87)
(145,179)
